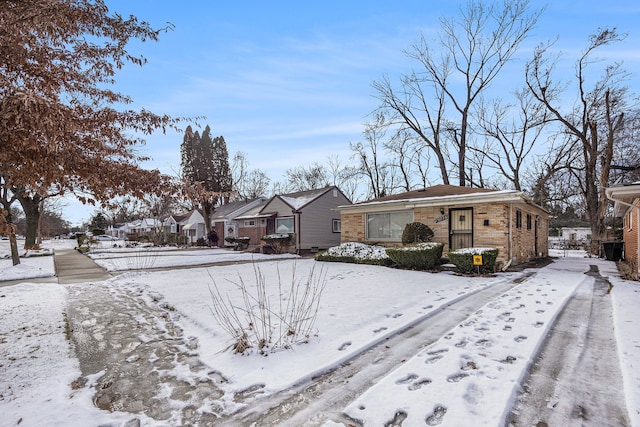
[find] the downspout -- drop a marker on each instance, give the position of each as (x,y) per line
(510,243)
(632,206)
(297,228)
(510,232)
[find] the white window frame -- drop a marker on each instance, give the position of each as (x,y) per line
(249,223)
(391,237)
(336,226)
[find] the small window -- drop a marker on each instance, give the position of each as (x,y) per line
(250,223)
(528,222)
(630,221)
(336,226)
(518,218)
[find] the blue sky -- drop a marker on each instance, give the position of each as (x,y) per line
(289,83)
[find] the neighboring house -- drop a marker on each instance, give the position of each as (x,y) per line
(224,218)
(173,224)
(311,216)
(192,226)
(117,230)
(459,216)
(627,206)
(571,238)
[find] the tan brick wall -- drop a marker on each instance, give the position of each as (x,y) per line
(353,227)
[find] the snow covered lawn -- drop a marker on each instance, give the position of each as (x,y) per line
(471,373)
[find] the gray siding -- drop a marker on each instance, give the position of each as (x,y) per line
(316,221)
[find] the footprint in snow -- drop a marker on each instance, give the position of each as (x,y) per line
(397,420)
(442,350)
(506,328)
(407,379)
(457,377)
(433,359)
(344,346)
(419,384)
(436,417)
(427,307)
(462,343)
(520,338)
(540,311)
(473,394)
(538,324)
(377,331)
(395,316)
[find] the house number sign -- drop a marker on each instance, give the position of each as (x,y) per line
(442,218)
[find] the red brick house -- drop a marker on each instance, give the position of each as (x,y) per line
(626,198)
(459,216)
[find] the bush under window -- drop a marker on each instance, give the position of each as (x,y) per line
(416,232)
(421,256)
(463,260)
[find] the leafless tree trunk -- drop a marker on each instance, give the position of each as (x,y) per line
(594,123)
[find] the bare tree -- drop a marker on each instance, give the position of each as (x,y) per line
(302,178)
(248,183)
(595,122)
(511,132)
(369,154)
(472,48)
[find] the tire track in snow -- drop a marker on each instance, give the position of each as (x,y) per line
(572,387)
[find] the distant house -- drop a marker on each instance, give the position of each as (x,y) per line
(224,218)
(459,216)
(626,200)
(193,227)
(571,238)
(173,224)
(311,216)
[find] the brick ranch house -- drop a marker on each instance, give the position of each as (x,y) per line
(626,198)
(460,217)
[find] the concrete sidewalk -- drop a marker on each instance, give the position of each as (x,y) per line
(73,267)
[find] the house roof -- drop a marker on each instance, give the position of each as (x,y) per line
(435,191)
(233,209)
(300,199)
(254,212)
(443,194)
(623,196)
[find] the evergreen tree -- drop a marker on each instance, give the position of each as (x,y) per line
(205,170)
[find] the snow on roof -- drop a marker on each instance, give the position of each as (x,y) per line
(302,198)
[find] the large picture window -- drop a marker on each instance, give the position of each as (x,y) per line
(388,225)
(284,225)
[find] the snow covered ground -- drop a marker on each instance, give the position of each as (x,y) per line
(471,373)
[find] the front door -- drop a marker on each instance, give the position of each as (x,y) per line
(460,228)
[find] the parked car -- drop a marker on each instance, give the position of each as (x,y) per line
(104,238)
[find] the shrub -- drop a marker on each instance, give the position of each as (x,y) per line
(265,322)
(355,253)
(279,242)
(463,260)
(416,232)
(239,243)
(421,256)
